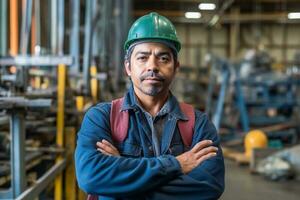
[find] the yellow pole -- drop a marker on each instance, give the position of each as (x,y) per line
(80,106)
(80,103)
(94,83)
(61,85)
(70,180)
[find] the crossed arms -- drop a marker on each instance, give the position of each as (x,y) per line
(198,173)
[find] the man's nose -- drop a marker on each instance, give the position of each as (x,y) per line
(152,64)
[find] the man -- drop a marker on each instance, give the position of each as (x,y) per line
(152,161)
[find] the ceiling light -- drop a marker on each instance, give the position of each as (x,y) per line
(207,6)
(294,15)
(192,15)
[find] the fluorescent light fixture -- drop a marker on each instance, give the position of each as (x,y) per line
(192,15)
(294,15)
(207,6)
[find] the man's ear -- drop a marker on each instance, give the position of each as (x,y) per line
(127,67)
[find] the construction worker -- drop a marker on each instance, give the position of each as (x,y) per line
(141,150)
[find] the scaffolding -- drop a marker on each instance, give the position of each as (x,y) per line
(61,52)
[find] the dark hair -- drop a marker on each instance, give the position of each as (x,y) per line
(130,50)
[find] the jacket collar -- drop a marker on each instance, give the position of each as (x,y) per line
(130,103)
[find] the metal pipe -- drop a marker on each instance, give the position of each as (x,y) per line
(26,24)
(33,31)
(36,29)
(17,158)
(14,27)
(22,73)
(220,12)
(105,26)
(87,46)
(46,149)
(61,23)
(95,30)
(75,41)
(94,84)
(3,27)
(241,104)
(222,94)
(54,26)
(37,13)
(36,60)
(117,44)
(43,181)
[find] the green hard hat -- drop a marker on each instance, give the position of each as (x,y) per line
(152,27)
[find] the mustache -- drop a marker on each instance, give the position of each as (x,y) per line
(152,74)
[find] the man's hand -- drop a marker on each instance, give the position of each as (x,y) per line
(200,152)
(107,148)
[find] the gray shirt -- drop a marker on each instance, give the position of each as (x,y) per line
(156,124)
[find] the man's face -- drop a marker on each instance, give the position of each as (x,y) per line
(151,68)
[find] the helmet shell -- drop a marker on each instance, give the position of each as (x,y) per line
(255,139)
(152,27)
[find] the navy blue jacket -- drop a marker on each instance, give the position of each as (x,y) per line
(138,173)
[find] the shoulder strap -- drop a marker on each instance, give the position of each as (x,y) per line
(92,197)
(119,121)
(186,128)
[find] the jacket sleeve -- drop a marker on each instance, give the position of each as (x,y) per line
(205,182)
(100,174)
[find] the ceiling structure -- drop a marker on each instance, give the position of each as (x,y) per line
(226,11)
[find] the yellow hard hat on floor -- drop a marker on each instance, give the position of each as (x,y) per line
(255,139)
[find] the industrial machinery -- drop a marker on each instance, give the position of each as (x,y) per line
(249,96)
(43,76)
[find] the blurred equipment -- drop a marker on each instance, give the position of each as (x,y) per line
(281,165)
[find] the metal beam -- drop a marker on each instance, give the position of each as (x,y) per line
(26,24)
(220,12)
(54,48)
(178,16)
(21,102)
(217,117)
(61,29)
(241,104)
(117,58)
(87,45)
(74,40)
(3,27)
(36,60)
(234,36)
(14,27)
(36,29)
(6,194)
(216,1)
(17,159)
(43,181)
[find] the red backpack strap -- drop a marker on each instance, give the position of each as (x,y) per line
(92,197)
(119,126)
(186,128)
(119,121)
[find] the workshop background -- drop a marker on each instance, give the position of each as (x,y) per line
(240,63)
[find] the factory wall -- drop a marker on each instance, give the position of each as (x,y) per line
(280,41)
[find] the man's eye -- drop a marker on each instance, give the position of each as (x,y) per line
(164,58)
(141,58)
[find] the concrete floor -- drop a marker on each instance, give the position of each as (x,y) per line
(241,185)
